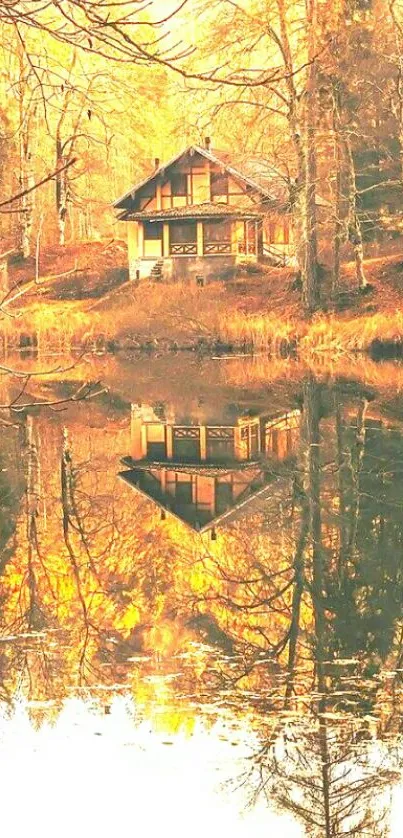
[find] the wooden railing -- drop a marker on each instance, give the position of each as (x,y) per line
(217,247)
(279,257)
(250,249)
(186,249)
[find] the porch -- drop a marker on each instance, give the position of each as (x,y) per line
(184,238)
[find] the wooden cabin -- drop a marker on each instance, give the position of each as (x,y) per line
(199,214)
(206,473)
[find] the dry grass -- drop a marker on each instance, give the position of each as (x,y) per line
(259,312)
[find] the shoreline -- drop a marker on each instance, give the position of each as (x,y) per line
(249,314)
(69,328)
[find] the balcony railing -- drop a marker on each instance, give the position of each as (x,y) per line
(186,249)
(217,247)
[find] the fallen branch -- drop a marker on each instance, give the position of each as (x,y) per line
(28,286)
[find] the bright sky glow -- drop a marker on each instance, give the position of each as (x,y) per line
(68,780)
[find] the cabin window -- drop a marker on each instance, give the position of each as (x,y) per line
(186,448)
(182,232)
(217,231)
(179,186)
(219,184)
(152,230)
(183,238)
(156,451)
(217,237)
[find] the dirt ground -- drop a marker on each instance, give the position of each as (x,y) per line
(82,271)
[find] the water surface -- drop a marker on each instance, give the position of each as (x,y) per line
(201,597)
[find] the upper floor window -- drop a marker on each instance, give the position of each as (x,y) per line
(219,184)
(179,186)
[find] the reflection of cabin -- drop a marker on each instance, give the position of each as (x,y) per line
(204,474)
(201,497)
(201,213)
(160,440)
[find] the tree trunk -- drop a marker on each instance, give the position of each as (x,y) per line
(27,201)
(338,198)
(26,173)
(398,30)
(354,227)
(61,193)
(311,289)
(303,197)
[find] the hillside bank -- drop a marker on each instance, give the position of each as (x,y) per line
(94,306)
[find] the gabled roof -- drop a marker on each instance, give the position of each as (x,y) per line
(260,486)
(220,159)
(205,210)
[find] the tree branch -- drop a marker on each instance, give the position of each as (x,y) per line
(36,185)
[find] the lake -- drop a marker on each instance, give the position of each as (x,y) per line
(201,588)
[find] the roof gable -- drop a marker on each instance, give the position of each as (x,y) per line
(257,482)
(124,201)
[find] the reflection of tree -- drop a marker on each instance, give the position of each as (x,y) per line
(335,621)
(286,616)
(315,770)
(327,773)
(91,580)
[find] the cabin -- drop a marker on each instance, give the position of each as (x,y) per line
(203,212)
(205,474)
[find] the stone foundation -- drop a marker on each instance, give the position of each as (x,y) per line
(188,268)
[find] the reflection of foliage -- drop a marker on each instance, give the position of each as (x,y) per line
(290,618)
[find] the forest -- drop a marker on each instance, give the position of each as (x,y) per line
(92,93)
(201,416)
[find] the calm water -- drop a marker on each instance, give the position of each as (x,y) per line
(201,623)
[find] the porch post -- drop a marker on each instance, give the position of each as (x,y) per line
(144,441)
(238,444)
(203,442)
(256,239)
(140,240)
(132,246)
(135,434)
(165,239)
(169,439)
(234,240)
(200,238)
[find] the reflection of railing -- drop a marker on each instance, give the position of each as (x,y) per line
(247,247)
(184,432)
(217,247)
(188,249)
(220,432)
